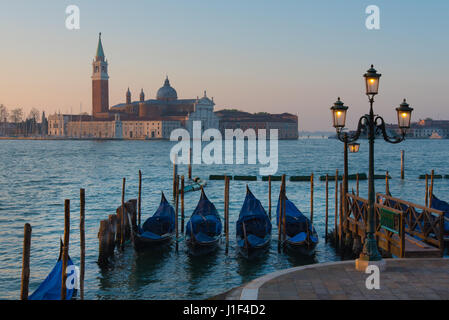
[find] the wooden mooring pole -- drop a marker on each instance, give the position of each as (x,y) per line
(431,188)
(357,183)
(427,191)
(25,262)
(82,242)
(139,199)
(284,227)
(122,218)
(65,250)
(311,198)
(269,197)
(336,208)
(182,204)
(190,164)
(177,212)
(327,207)
(340,225)
(387,184)
(402,164)
(226,213)
(175,173)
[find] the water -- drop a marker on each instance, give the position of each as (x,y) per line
(36,177)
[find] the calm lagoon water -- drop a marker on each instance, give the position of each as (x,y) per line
(36,177)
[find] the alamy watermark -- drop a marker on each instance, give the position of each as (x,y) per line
(373,280)
(212,153)
(72,21)
(372,22)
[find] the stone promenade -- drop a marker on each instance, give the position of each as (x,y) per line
(402,279)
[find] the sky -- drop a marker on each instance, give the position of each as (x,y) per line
(273,56)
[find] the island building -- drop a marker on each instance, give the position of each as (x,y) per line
(424,129)
(154,118)
(285,123)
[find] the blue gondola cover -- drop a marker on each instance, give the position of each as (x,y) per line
(205,221)
(257,223)
(162,222)
(50,288)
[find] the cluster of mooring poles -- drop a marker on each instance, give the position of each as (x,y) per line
(24,292)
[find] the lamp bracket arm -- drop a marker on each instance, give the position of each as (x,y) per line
(349,138)
(381,126)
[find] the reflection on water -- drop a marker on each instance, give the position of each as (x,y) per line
(36,177)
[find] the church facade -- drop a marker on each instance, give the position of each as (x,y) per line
(140,119)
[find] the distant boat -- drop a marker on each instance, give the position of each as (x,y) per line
(253,229)
(435,135)
(50,288)
(203,230)
(194,184)
(156,230)
(301,235)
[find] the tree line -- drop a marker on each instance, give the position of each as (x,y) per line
(14,123)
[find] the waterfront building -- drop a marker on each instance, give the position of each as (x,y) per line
(285,123)
(424,129)
(156,118)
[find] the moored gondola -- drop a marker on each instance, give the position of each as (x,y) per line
(300,234)
(157,230)
(253,227)
(50,288)
(442,206)
(203,230)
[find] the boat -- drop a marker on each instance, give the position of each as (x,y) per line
(194,184)
(157,229)
(203,230)
(441,205)
(50,288)
(300,233)
(253,227)
(435,135)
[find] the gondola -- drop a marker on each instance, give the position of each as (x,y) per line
(203,230)
(253,228)
(300,233)
(441,205)
(156,230)
(50,288)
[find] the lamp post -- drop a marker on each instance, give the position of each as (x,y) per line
(353,148)
(372,124)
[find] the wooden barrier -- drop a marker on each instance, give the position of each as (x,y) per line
(245,178)
(424,223)
(389,229)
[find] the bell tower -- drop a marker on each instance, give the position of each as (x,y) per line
(100,83)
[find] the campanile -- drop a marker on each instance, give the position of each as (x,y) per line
(100,86)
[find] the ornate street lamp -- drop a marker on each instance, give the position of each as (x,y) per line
(354,147)
(339,114)
(372,124)
(404,115)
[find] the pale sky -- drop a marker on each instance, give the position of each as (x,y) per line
(274,56)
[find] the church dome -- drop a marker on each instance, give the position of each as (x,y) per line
(166,93)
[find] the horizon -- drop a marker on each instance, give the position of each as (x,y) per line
(254,56)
